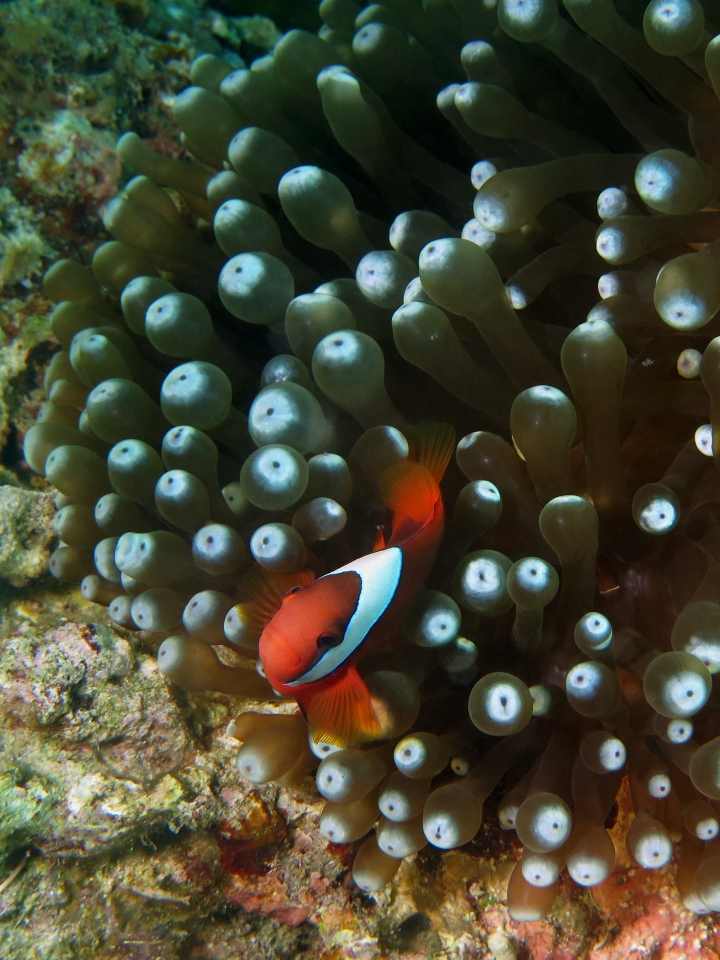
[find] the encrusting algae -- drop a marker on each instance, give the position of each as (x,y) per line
(382,236)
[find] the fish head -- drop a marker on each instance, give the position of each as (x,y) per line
(311,621)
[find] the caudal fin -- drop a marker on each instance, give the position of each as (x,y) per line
(432,445)
(410,489)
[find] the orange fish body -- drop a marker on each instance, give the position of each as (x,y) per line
(310,648)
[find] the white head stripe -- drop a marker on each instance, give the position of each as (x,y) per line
(379,577)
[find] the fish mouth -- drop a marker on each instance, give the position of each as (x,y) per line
(280,659)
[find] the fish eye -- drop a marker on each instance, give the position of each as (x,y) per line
(327,641)
(293,590)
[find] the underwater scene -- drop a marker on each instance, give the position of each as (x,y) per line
(359,505)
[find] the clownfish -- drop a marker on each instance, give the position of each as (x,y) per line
(320,628)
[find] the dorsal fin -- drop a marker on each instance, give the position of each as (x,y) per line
(261,593)
(342,712)
(432,445)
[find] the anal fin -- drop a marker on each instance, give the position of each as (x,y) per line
(342,713)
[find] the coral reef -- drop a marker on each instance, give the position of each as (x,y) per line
(232,417)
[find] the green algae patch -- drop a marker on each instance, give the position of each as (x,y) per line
(26,534)
(26,803)
(22,246)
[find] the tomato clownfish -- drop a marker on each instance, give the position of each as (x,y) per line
(321,628)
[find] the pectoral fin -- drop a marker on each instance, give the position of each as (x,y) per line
(261,594)
(341,713)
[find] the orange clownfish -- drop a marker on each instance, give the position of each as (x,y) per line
(310,647)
